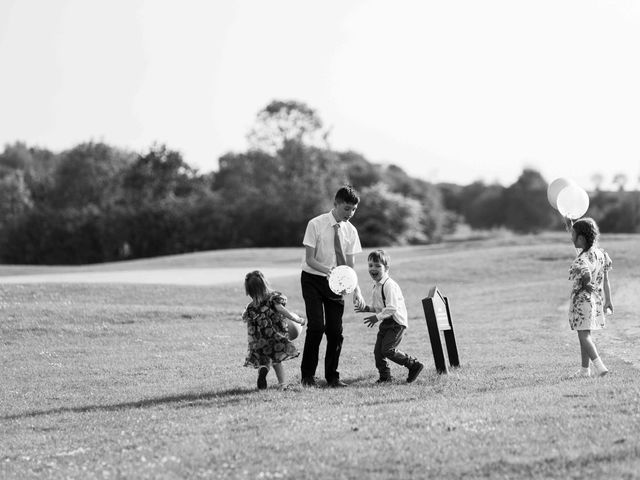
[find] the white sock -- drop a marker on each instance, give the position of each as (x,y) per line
(599,366)
(586,371)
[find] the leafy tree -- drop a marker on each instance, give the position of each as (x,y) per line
(160,174)
(483,205)
(434,217)
(619,212)
(16,157)
(85,175)
(598,180)
(388,218)
(360,172)
(50,236)
(525,203)
(284,121)
(15,198)
(621,180)
(271,197)
(37,165)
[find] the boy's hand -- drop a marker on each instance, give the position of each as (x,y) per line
(359,305)
(358,302)
(361,308)
(371,321)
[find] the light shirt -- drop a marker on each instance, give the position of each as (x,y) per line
(319,235)
(395,305)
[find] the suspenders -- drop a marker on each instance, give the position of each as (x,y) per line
(384,299)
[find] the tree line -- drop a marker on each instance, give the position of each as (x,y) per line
(97,203)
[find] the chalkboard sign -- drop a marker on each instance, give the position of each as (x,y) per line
(438,316)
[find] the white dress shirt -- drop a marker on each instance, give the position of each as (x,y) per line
(320,234)
(395,305)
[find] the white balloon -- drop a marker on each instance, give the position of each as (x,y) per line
(573,201)
(555,188)
(343,280)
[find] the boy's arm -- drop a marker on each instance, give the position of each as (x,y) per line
(313,263)
(359,305)
(351,260)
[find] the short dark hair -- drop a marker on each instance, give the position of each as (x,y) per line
(588,228)
(380,256)
(347,194)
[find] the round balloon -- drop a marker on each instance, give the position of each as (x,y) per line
(343,280)
(573,201)
(294,329)
(555,188)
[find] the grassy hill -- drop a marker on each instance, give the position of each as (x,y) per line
(146,381)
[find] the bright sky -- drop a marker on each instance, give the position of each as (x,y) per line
(455,90)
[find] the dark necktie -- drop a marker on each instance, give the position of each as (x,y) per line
(340,259)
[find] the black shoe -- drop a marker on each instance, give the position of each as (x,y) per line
(308,382)
(336,383)
(414,371)
(384,380)
(262,378)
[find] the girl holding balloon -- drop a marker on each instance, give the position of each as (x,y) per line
(591,292)
(589,272)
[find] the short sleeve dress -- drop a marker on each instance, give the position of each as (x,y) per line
(586,310)
(267,331)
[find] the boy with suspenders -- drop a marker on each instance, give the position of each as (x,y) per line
(390,310)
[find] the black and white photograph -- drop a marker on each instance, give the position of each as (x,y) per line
(356,239)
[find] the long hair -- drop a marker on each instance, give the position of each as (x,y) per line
(588,228)
(256,286)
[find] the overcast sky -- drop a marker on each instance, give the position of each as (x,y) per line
(448,90)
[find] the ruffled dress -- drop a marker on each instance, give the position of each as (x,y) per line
(586,310)
(268,336)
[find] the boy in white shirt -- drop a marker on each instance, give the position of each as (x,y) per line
(329,240)
(390,309)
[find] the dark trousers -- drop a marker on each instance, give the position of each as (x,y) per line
(324,317)
(387,342)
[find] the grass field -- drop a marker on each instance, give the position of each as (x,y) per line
(144,381)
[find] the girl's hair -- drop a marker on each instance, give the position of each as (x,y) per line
(588,228)
(256,286)
(347,194)
(380,256)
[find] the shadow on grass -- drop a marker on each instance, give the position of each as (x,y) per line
(223,398)
(183,400)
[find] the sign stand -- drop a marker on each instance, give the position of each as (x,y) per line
(438,316)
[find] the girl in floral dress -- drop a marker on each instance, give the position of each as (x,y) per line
(591,293)
(268,336)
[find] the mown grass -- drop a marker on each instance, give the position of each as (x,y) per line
(115,381)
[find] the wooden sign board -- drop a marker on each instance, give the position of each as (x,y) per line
(439,309)
(438,317)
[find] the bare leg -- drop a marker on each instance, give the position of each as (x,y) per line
(587,347)
(279,369)
(584,354)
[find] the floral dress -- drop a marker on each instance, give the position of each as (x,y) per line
(267,333)
(586,310)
